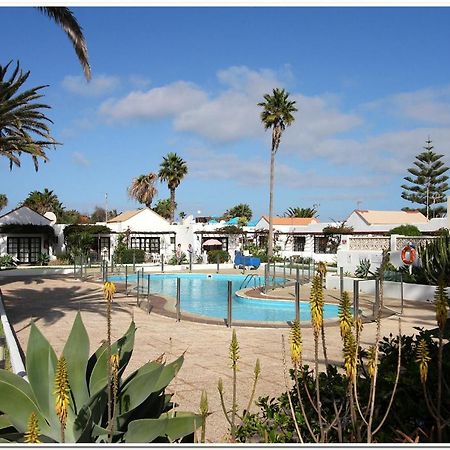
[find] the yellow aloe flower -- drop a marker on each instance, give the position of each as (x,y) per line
(322,269)
(345,315)
(316,303)
(61,391)
(32,434)
(422,357)
(371,363)
(109,289)
(295,340)
(115,362)
(234,350)
(350,359)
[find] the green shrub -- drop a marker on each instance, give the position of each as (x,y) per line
(173,261)
(126,256)
(6,261)
(406,230)
(409,414)
(222,254)
(43,259)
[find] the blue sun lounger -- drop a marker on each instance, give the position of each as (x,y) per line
(242,261)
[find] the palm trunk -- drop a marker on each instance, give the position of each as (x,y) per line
(270,241)
(172,204)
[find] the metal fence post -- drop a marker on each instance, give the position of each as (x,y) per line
(126,280)
(297,275)
(274,276)
(297,301)
(190,261)
(138,287)
(341,280)
(284,272)
(162,262)
(134,260)
(106,270)
(178,305)
(266,276)
(401,292)
(290,266)
(230,304)
(148,293)
(218,263)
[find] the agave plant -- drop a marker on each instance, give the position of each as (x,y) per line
(142,409)
(435,259)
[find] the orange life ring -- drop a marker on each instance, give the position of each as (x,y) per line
(408,255)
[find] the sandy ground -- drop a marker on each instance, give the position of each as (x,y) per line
(54,301)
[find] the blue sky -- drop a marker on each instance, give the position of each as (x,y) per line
(370,84)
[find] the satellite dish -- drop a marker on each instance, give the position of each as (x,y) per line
(51,216)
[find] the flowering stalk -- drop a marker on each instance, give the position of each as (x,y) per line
(204,411)
(109,289)
(33,433)
(62,394)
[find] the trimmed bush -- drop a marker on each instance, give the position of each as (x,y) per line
(126,256)
(223,256)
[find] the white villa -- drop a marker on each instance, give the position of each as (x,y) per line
(25,234)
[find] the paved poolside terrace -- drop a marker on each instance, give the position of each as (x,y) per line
(53,301)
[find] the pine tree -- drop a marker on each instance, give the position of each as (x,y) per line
(428,182)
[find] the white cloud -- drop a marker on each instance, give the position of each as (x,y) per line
(155,103)
(80,160)
(139,81)
(99,85)
(428,106)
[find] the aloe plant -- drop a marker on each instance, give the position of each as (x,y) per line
(435,259)
(144,413)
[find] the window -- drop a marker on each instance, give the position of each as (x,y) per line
(104,243)
(25,249)
(321,244)
(148,244)
(299,244)
(172,240)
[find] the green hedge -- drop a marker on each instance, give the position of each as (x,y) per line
(126,256)
(223,256)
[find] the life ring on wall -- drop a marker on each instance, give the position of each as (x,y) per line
(408,255)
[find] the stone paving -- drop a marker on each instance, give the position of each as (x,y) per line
(53,302)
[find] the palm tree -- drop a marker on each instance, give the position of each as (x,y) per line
(173,169)
(143,188)
(241,210)
(3,201)
(300,212)
(43,202)
(277,115)
(23,127)
(67,21)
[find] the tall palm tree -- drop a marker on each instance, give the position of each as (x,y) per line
(43,202)
(143,189)
(301,212)
(173,169)
(3,201)
(277,114)
(67,21)
(23,125)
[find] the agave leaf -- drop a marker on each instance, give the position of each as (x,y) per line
(5,422)
(182,424)
(76,352)
(150,378)
(18,401)
(138,389)
(82,425)
(41,366)
(145,430)
(98,379)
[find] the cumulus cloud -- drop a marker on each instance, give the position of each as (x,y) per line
(205,164)
(155,103)
(428,106)
(99,85)
(80,160)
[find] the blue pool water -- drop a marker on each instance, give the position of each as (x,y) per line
(206,295)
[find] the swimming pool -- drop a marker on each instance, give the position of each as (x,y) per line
(206,295)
